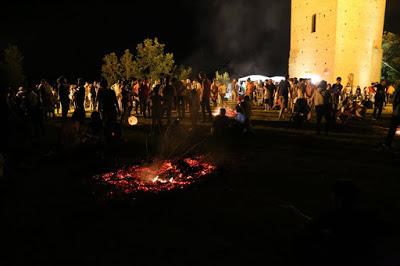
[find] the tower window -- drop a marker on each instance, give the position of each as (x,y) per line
(314,23)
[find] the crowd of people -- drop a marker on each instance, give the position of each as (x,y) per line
(196,99)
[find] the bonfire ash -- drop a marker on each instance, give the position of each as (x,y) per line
(157,177)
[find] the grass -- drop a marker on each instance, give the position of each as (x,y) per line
(238,217)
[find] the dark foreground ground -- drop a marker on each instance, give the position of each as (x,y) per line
(51,216)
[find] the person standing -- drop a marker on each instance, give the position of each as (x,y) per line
(80,95)
(109,103)
(127,101)
(235,90)
(135,88)
(336,91)
(214,93)
(380,96)
(271,93)
(168,95)
(181,95)
(93,96)
(63,93)
(143,97)
(395,122)
(205,96)
(156,109)
(194,105)
(322,102)
(284,88)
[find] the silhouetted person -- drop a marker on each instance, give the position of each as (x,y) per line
(246,107)
(221,125)
(108,102)
(70,133)
(156,109)
(93,96)
(80,95)
(63,93)
(144,91)
(94,133)
(336,91)
(395,122)
(127,102)
(284,88)
(180,97)
(380,97)
(168,95)
(323,108)
(35,112)
(341,235)
(112,136)
(194,106)
(205,96)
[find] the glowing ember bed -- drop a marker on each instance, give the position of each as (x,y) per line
(156,177)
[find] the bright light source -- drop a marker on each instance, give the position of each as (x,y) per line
(315,79)
(398,132)
(133,121)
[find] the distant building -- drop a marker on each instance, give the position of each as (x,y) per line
(331,38)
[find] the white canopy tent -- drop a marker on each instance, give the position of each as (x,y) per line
(261,77)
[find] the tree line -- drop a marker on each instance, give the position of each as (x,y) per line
(150,61)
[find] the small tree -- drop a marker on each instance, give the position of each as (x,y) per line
(182,73)
(111,69)
(222,78)
(391,56)
(152,61)
(12,66)
(129,68)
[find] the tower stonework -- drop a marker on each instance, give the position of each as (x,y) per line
(333,38)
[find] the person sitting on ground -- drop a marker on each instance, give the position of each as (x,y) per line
(70,133)
(221,124)
(94,133)
(246,107)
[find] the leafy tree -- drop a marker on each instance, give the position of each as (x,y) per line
(222,77)
(111,69)
(182,73)
(129,68)
(12,66)
(152,61)
(391,56)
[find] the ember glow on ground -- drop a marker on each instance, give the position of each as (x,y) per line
(156,177)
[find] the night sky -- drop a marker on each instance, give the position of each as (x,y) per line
(70,37)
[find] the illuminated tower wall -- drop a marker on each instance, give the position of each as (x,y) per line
(332,38)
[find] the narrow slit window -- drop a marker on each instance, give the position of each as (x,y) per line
(314,23)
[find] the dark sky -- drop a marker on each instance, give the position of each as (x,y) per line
(70,37)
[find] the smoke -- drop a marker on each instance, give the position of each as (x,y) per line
(245,37)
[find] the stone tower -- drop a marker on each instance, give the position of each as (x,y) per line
(331,38)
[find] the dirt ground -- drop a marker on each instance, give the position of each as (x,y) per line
(246,214)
